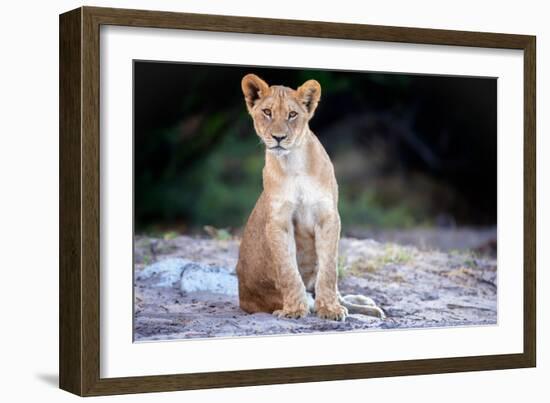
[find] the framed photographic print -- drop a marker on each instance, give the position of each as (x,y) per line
(249,201)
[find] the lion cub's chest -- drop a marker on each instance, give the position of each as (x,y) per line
(304,200)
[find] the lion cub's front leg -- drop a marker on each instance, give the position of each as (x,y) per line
(280,233)
(327,234)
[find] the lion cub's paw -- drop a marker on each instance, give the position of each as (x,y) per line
(297,311)
(332,312)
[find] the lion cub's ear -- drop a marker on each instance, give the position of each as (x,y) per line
(253,89)
(309,93)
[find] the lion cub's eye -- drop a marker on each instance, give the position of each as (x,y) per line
(267,112)
(292,114)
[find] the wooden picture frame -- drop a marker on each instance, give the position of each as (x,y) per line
(79,347)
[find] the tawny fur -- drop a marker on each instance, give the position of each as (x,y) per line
(290,242)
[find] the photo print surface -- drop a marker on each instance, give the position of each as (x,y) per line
(277,201)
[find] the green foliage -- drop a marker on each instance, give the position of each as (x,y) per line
(227,182)
(341,266)
(147,260)
(168,236)
(395,254)
(365,209)
(219,234)
(219,189)
(329,82)
(392,254)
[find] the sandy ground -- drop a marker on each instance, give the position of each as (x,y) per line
(175,279)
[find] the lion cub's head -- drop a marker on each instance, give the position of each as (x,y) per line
(280,114)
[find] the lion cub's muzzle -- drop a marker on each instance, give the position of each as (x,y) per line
(279,142)
(278,137)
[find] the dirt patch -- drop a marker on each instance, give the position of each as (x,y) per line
(416,288)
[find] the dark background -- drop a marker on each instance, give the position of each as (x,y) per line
(408,150)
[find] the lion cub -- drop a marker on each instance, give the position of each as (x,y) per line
(290,242)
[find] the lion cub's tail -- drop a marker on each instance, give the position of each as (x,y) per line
(362,305)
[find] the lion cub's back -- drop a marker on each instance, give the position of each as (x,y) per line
(257,283)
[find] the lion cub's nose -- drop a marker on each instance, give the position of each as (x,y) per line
(279,137)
